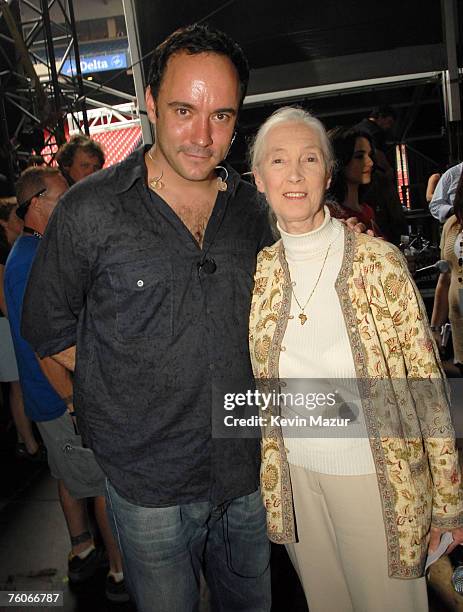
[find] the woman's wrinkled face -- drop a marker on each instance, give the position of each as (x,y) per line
(358,170)
(292,175)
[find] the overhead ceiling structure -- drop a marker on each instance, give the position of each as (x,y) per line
(338,58)
(304,44)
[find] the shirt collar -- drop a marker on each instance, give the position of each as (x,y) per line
(134,168)
(131,169)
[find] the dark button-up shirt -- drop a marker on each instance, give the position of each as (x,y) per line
(161,328)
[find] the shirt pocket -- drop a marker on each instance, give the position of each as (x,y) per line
(144,299)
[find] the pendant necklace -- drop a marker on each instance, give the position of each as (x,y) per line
(155,183)
(33,232)
(302,316)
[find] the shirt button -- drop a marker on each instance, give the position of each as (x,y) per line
(140,283)
(211,366)
(283,348)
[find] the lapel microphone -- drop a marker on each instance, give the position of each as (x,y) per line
(208,266)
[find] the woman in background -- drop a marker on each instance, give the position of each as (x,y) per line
(27,446)
(448,298)
(353,167)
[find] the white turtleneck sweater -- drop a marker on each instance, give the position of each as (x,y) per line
(320,349)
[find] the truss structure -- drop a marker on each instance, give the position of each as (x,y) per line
(48,88)
(105,119)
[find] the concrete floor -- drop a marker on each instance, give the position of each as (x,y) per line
(34,543)
(34,546)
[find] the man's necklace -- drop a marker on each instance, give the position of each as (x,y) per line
(155,183)
(29,230)
(302,316)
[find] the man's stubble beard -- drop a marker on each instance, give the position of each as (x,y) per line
(182,170)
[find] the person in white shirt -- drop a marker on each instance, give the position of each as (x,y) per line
(441,205)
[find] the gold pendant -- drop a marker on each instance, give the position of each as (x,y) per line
(303,318)
(156,183)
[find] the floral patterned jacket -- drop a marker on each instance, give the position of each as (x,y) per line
(403,391)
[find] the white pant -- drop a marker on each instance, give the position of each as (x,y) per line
(341,556)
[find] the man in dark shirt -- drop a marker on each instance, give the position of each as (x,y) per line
(147,268)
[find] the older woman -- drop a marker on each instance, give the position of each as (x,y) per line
(332,304)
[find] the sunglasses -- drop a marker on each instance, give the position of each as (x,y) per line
(22,208)
(36,195)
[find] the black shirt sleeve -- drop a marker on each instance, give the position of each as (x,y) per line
(57,285)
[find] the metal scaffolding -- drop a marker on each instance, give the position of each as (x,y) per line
(137,66)
(35,83)
(44,82)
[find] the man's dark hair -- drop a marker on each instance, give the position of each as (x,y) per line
(66,153)
(195,39)
(383,111)
(343,142)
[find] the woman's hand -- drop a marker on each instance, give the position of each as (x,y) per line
(435,537)
(354,224)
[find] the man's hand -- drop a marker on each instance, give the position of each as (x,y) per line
(354,224)
(66,358)
(435,537)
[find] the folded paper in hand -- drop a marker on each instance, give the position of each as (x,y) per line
(444,543)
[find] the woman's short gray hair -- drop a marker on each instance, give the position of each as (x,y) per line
(290,114)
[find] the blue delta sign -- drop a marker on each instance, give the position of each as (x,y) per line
(96,63)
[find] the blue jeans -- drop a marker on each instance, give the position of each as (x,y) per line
(164,549)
